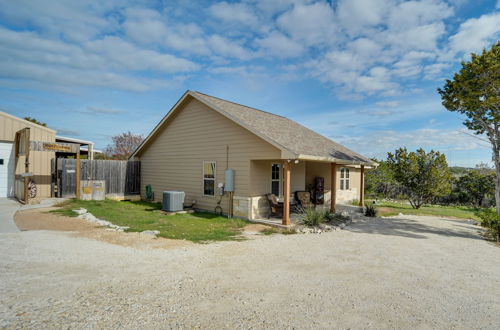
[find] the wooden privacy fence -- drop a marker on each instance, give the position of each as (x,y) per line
(122,177)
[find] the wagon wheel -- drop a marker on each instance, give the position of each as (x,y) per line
(32,190)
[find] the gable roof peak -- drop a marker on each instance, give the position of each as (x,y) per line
(283,133)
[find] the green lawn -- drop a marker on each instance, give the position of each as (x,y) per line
(393,208)
(139,216)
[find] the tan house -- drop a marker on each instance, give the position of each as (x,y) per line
(202,136)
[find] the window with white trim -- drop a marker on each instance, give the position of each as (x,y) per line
(344,178)
(276,179)
(209,169)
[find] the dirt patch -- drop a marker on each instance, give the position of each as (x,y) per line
(255,227)
(42,219)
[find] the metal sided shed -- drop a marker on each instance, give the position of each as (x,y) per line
(12,168)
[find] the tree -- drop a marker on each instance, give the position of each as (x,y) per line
(475,93)
(424,176)
(33,120)
(475,186)
(380,181)
(123,145)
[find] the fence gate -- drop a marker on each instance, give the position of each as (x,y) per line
(122,177)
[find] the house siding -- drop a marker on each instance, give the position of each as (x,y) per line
(317,169)
(173,159)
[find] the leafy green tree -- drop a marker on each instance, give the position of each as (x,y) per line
(475,186)
(33,120)
(475,93)
(380,182)
(424,176)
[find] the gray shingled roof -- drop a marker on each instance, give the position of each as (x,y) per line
(285,132)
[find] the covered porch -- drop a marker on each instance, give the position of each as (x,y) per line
(329,184)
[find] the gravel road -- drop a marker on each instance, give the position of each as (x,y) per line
(404,272)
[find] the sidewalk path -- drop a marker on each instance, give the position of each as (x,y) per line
(8,208)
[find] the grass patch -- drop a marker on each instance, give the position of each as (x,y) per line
(64,211)
(393,208)
(139,216)
(271,231)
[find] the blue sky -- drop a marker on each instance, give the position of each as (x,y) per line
(362,72)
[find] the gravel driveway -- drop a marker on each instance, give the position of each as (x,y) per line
(404,272)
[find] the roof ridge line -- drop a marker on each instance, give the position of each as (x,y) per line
(242,105)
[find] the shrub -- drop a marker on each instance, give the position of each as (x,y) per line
(313,217)
(491,221)
(337,217)
(370,210)
(330,216)
(354,202)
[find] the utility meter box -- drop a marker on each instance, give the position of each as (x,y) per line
(229,177)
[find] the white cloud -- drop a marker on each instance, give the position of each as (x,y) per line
(476,33)
(359,48)
(105,111)
(388,104)
(377,144)
(312,25)
(434,71)
(423,37)
(409,14)
(120,54)
(74,20)
(108,62)
(355,16)
(144,26)
(237,13)
(279,45)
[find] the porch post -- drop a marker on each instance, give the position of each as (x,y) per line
(333,187)
(77,174)
(286,193)
(362,187)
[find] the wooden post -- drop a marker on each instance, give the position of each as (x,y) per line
(26,163)
(286,193)
(77,173)
(362,187)
(333,187)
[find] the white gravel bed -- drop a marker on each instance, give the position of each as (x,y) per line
(404,272)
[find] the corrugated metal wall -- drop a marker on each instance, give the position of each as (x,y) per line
(39,160)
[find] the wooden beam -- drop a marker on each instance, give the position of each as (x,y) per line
(77,173)
(333,187)
(26,163)
(362,187)
(286,193)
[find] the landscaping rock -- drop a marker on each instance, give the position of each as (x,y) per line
(80,211)
(151,232)
(85,215)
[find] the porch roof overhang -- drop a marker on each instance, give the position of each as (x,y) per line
(285,154)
